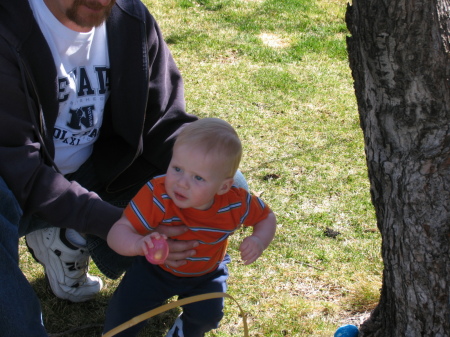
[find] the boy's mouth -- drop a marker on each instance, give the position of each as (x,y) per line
(179,196)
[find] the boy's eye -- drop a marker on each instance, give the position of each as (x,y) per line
(198,178)
(177,169)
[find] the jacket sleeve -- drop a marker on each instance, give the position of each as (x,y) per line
(25,167)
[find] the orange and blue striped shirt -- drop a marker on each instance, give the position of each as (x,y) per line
(152,206)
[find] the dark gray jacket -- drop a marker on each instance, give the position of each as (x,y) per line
(143,113)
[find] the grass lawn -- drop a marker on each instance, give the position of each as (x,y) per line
(278,72)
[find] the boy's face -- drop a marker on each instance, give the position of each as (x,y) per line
(193,179)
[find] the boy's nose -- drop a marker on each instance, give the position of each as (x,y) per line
(183,182)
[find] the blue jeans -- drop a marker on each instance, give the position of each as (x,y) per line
(20,312)
(146,286)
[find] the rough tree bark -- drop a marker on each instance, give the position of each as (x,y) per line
(399,52)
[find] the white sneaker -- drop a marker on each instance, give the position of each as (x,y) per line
(66,266)
(177,328)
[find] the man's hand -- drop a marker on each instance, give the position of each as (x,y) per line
(178,250)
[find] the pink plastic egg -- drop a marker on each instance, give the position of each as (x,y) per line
(158,254)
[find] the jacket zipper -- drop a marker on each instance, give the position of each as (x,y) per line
(136,155)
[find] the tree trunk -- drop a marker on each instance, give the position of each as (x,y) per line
(400,62)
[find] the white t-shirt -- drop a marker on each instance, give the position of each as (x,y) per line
(82,63)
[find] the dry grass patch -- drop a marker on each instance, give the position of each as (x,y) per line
(274,40)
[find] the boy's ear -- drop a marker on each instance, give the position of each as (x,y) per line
(226,185)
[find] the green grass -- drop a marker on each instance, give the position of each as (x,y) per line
(278,72)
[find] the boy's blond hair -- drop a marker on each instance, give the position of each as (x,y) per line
(214,136)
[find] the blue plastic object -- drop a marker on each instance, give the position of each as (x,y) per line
(347,331)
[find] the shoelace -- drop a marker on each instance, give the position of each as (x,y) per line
(74,266)
(80,270)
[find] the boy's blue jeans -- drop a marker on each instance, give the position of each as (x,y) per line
(20,312)
(146,286)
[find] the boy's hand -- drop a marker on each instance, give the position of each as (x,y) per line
(251,248)
(147,241)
